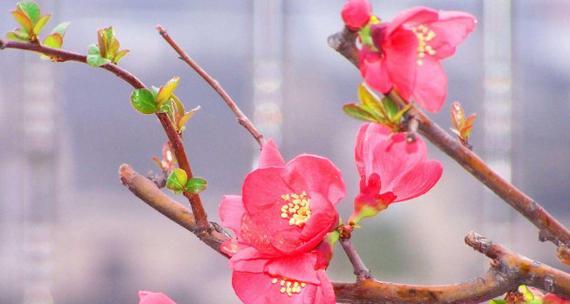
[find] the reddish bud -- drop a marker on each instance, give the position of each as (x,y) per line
(356,13)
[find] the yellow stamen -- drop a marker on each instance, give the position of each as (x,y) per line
(296,208)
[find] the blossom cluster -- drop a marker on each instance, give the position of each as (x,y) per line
(285,221)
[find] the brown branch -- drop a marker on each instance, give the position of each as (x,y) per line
(241,117)
(550,228)
(508,270)
(131,79)
(148,192)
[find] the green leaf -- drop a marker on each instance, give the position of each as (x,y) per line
(196,185)
(356,111)
(390,107)
(41,23)
(120,55)
(143,101)
(498,301)
(167,90)
(24,21)
(17,36)
(396,118)
(96,60)
(184,119)
(177,180)
(93,50)
(60,28)
(527,294)
(167,108)
(31,9)
(54,40)
(332,237)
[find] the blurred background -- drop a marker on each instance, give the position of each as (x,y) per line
(71,233)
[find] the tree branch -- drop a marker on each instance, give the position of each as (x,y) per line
(550,228)
(360,270)
(508,270)
(241,117)
(131,79)
(148,192)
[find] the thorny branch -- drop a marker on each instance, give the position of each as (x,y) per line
(241,117)
(173,136)
(550,229)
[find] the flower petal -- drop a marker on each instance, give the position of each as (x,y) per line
(257,288)
(451,29)
(248,259)
(369,135)
(396,156)
(374,71)
(431,85)
(231,212)
(270,156)
(412,17)
(262,190)
(297,267)
(401,60)
(418,181)
(149,297)
(312,173)
(325,292)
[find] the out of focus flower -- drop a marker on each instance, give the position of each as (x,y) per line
(149,297)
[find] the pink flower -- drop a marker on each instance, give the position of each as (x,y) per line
(391,169)
(289,279)
(284,209)
(406,54)
(149,297)
(356,13)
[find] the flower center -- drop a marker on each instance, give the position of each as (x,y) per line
(424,35)
(289,287)
(296,208)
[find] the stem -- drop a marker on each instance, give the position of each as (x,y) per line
(131,79)
(241,117)
(360,269)
(550,228)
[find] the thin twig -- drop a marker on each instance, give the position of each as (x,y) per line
(173,136)
(148,192)
(550,228)
(508,270)
(241,117)
(360,270)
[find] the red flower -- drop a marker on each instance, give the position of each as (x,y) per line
(149,297)
(551,298)
(289,279)
(284,209)
(391,169)
(356,13)
(406,53)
